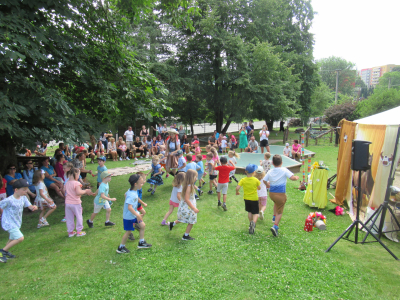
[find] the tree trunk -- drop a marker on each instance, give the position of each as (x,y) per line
(225,129)
(191,126)
(8,154)
(270,124)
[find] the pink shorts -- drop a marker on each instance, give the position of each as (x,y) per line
(263,200)
(174,204)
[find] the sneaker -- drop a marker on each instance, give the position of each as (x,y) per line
(171,225)
(200,192)
(120,158)
(3,259)
(135,158)
(80,233)
(71,234)
(274,230)
(131,237)
(109,223)
(137,227)
(7,254)
(149,190)
(153,192)
(89,224)
(63,220)
(147,156)
(144,245)
(122,250)
(128,158)
(164,223)
(196,197)
(204,183)
(187,238)
(273,218)
(261,215)
(219,203)
(40,225)
(252,227)
(224,206)
(210,192)
(44,222)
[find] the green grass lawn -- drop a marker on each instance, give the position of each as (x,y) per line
(224,262)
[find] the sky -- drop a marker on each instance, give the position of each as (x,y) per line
(365,32)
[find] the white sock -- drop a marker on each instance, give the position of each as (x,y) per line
(186,234)
(141,240)
(90,221)
(107,221)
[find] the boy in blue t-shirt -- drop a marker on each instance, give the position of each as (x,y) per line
(101,168)
(275,180)
(140,205)
(131,215)
(200,170)
(102,200)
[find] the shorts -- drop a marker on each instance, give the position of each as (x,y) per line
(251,206)
(264,143)
(222,187)
(15,234)
(129,145)
(212,177)
(128,224)
(199,176)
(263,200)
(279,200)
(83,175)
(98,207)
(174,204)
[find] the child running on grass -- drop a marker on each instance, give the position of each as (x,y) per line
(12,216)
(262,193)
(42,200)
(200,170)
(215,158)
(275,180)
(140,208)
(101,200)
(131,216)
(100,168)
(181,162)
(175,196)
(266,163)
(232,155)
(223,180)
(213,174)
(187,211)
(250,187)
(156,173)
(73,203)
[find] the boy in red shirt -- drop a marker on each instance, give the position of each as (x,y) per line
(223,180)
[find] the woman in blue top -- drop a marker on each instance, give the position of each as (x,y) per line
(11,176)
(172,146)
(243,138)
(28,175)
(50,180)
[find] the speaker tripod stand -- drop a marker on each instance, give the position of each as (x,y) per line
(357,222)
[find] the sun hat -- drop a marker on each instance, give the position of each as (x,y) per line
(287,144)
(20,183)
(103,158)
(171,131)
(260,169)
(104,174)
(251,168)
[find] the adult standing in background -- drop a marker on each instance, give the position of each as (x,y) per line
(144,132)
(128,136)
(264,134)
(281,126)
(181,132)
(159,129)
(249,131)
(243,138)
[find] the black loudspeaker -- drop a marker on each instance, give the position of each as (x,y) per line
(360,155)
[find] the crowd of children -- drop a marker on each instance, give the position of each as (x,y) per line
(188,178)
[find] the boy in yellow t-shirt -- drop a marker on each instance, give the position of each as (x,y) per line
(250,186)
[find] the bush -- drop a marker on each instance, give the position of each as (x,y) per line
(295,123)
(337,112)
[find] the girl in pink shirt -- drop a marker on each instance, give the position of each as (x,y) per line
(296,150)
(73,203)
(215,156)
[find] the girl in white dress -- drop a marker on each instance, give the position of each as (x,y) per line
(187,211)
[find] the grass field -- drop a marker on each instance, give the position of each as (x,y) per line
(224,262)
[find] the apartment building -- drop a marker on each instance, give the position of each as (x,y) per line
(371,76)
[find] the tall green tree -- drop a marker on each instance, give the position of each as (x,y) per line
(66,68)
(347,74)
(321,99)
